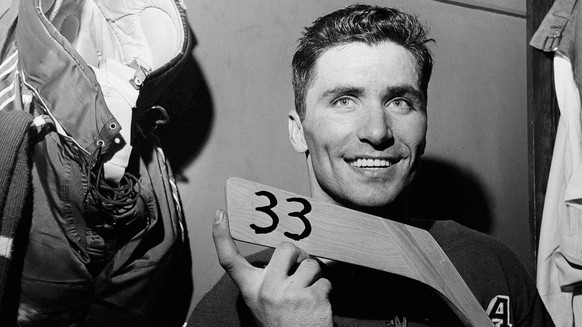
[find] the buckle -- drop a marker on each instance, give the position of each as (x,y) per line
(552,42)
(142,71)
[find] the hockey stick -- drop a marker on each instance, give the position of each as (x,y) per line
(267,216)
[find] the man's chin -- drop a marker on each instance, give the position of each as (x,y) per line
(368,204)
(379,202)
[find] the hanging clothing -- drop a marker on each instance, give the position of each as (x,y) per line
(559,266)
(15,199)
(107,235)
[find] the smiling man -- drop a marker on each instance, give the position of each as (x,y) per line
(360,77)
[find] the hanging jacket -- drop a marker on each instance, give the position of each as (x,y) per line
(107,233)
(559,272)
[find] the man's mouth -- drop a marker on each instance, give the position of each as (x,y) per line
(367,163)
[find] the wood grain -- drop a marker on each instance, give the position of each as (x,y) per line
(353,237)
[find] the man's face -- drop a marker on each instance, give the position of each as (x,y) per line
(364,126)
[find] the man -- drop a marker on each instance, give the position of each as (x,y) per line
(360,77)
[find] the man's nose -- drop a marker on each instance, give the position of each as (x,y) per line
(376,128)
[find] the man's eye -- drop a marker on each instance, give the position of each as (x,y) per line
(343,102)
(400,104)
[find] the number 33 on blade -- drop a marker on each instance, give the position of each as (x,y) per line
(267,216)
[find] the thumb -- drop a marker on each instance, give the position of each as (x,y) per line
(228,255)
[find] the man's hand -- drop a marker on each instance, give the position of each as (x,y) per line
(276,295)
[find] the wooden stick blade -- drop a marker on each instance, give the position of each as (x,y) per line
(265,215)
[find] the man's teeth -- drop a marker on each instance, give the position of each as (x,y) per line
(370,163)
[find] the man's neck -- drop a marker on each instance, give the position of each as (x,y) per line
(397,211)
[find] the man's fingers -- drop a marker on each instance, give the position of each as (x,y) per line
(307,273)
(228,256)
(322,286)
(284,260)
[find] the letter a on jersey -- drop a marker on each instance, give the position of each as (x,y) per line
(498,311)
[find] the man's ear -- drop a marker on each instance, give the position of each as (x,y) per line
(296,132)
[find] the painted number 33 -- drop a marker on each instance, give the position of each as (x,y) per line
(299,214)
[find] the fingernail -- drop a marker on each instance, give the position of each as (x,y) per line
(219,217)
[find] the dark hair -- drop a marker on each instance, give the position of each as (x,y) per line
(359,23)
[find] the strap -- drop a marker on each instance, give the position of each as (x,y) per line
(9,78)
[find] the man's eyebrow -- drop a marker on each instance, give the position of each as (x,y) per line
(340,90)
(405,90)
